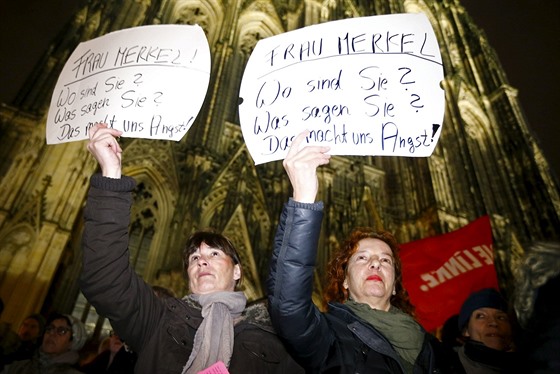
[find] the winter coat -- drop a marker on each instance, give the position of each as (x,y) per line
(336,341)
(160,330)
(42,363)
(475,357)
(18,351)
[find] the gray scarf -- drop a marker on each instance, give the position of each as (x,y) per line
(403,332)
(213,340)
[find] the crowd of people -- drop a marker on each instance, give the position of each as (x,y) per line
(50,345)
(367,323)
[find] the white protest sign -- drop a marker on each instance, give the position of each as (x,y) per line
(363,86)
(148,81)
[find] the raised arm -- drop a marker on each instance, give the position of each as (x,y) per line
(108,280)
(290,285)
(106,150)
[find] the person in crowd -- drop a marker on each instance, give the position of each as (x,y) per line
(212,325)
(117,359)
(58,354)
(91,349)
(537,308)
(487,329)
(368,324)
(26,341)
(451,336)
(103,345)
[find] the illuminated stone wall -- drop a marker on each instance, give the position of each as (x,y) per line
(486,161)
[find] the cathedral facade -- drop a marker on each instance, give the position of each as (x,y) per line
(486,162)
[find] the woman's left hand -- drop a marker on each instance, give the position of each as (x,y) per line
(301,165)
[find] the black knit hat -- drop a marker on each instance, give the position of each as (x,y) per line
(485,298)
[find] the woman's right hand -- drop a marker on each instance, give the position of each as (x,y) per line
(301,164)
(104,147)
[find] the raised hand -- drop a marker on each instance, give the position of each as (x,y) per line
(104,147)
(301,165)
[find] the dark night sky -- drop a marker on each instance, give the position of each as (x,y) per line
(525,34)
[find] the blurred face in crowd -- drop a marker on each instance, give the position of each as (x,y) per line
(29,330)
(57,338)
(211,270)
(492,327)
(370,276)
(115,342)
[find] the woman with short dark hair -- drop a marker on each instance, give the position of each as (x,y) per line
(212,325)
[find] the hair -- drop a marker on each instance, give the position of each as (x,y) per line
(338,265)
(214,240)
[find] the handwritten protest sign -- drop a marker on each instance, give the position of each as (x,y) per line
(363,86)
(148,81)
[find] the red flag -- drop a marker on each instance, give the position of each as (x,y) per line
(440,272)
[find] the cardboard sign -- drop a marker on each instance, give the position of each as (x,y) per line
(148,81)
(363,86)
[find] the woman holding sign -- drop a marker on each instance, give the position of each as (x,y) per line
(368,325)
(209,330)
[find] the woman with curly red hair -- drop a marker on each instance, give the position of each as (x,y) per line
(368,324)
(337,269)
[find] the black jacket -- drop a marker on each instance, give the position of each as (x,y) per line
(475,357)
(160,330)
(337,341)
(123,363)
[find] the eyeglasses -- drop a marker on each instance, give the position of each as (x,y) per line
(60,331)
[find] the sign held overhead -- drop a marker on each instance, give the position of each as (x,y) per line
(363,86)
(148,81)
